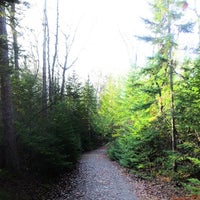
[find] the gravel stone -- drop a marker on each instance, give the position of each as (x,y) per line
(98,178)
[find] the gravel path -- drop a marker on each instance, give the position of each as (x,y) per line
(99,179)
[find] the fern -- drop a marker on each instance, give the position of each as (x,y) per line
(193,186)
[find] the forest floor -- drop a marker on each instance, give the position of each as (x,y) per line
(95,178)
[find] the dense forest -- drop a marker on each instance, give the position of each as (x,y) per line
(150,119)
(47,120)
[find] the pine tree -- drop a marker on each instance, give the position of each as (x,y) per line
(161,68)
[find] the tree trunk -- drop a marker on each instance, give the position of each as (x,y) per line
(173,127)
(55,54)
(11,160)
(49,62)
(171,85)
(66,66)
(63,77)
(44,83)
(173,124)
(15,42)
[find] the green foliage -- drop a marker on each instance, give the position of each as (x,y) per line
(57,145)
(26,96)
(188,100)
(89,135)
(110,112)
(193,186)
(138,117)
(142,152)
(51,144)
(188,161)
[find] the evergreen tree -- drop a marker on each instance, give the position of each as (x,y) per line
(88,110)
(163,64)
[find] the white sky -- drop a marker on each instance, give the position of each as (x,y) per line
(105,36)
(108,24)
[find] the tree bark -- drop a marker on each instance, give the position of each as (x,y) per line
(173,127)
(15,41)
(66,66)
(48,61)
(56,48)
(44,78)
(11,159)
(171,85)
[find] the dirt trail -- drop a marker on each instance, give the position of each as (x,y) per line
(95,178)
(99,179)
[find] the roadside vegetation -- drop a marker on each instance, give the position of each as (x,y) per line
(152,117)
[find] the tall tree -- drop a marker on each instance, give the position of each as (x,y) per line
(171,65)
(89,104)
(51,67)
(165,28)
(55,52)
(10,144)
(44,72)
(15,38)
(66,65)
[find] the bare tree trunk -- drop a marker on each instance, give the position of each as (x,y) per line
(63,73)
(44,84)
(49,62)
(15,42)
(66,66)
(55,54)
(11,159)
